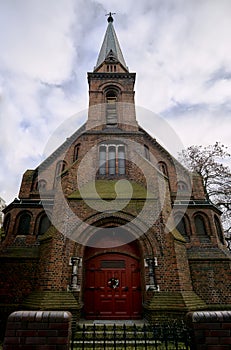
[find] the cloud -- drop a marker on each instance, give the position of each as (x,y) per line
(180,51)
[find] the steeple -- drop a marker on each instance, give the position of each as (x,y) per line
(110,50)
(111,88)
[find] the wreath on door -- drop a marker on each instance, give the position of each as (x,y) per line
(113,283)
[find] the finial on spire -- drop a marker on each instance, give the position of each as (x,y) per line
(110,18)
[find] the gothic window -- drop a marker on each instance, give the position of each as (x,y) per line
(24,224)
(146,152)
(44,224)
(76,152)
(111,113)
(219,229)
(112,160)
(201,229)
(163,168)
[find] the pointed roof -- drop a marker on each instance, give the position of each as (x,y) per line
(110,46)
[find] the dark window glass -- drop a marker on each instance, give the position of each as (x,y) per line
(76,152)
(121,160)
(111,113)
(146,152)
(44,224)
(24,224)
(201,229)
(111,160)
(163,168)
(102,160)
(181,227)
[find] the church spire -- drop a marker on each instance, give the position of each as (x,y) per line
(110,47)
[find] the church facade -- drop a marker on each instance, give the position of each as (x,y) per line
(110,225)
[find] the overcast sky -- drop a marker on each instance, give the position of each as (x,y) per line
(180,50)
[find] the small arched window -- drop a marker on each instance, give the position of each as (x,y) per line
(111,112)
(146,152)
(76,152)
(163,168)
(219,229)
(201,229)
(44,224)
(60,167)
(182,186)
(24,224)
(42,184)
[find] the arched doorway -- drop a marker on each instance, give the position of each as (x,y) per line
(113,282)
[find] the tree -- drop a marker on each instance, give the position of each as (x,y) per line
(209,162)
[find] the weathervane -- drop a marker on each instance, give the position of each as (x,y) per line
(110,18)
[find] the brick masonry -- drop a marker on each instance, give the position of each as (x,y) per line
(210,330)
(197,263)
(38,330)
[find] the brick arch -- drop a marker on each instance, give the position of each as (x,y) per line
(19,218)
(106,86)
(207,227)
(38,220)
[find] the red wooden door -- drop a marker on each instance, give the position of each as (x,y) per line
(112,288)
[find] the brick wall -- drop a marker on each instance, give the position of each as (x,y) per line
(45,330)
(210,330)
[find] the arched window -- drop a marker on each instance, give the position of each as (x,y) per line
(201,229)
(121,160)
(182,186)
(24,224)
(163,168)
(42,184)
(60,167)
(102,160)
(219,229)
(44,224)
(112,160)
(146,152)
(111,112)
(181,226)
(76,152)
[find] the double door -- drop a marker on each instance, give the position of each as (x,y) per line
(112,287)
